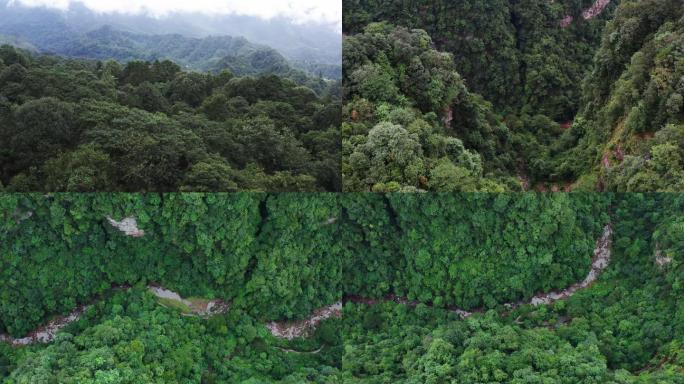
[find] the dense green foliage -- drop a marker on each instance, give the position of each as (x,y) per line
(511,52)
(469,250)
(274,256)
(619,130)
(130,339)
(627,328)
(397,132)
(280,256)
(70,125)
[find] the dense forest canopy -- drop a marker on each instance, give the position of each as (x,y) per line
(78,125)
(469,250)
(627,328)
(401,97)
(281,256)
(513,53)
(573,95)
(274,256)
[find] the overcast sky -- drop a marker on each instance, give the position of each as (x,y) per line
(301,11)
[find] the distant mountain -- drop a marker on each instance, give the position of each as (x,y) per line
(16,42)
(203,54)
(198,42)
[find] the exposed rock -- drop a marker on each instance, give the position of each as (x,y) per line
(197,307)
(661,258)
(606,160)
(129,226)
(46,333)
(599,263)
(302,328)
(20,216)
(448,116)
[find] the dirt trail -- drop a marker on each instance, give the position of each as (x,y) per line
(600,261)
(301,352)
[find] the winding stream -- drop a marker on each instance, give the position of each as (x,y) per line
(600,261)
(302,328)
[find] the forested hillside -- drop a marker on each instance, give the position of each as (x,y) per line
(274,256)
(516,54)
(402,99)
(578,90)
(282,256)
(626,328)
(630,134)
(76,125)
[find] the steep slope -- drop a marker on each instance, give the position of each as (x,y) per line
(512,52)
(630,134)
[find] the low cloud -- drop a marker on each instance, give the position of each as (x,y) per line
(299,11)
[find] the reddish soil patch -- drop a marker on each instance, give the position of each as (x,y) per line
(566,21)
(619,153)
(606,160)
(595,10)
(448,116)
